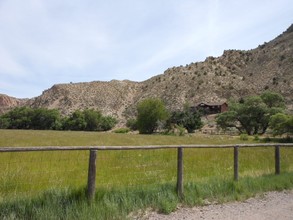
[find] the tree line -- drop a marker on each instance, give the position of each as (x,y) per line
(51,119)
(152,115)
(255,114)
(251,115)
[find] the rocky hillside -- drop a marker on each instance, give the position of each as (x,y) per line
(8,102)
(235,74)
(112,98)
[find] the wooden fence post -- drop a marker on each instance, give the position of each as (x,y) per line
(180,172)
(236,163)
(277,160)
(91,184)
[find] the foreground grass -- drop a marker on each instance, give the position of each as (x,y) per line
(127,180)
(28,174)
(119,203)
(14,138)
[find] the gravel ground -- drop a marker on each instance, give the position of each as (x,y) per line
(270,206)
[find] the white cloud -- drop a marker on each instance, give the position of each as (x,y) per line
(36,32)
(85,40)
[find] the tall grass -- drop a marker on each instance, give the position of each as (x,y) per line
(50,185)
(119,203)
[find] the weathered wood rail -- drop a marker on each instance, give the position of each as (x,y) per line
(91,183)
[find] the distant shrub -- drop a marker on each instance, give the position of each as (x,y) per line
(29,118)
(256,138)
(186,119)
(243,137)
(181,130)
(107,123)
(89,120)
(267,139)
(132,124)
(279,140)
(121,130)
(282,57)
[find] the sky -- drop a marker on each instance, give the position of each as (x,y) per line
(47,42)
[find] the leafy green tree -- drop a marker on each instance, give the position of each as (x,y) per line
(89,120)
(186,118)
(41,118)
(19,118)
(4,122)
(95,121)
(28,118)
(273,99)
(76,121)
(107,123)
(251,116)
(92,119)
(46,119)
(281,124)
(229,120)
(149,112)
(132,124)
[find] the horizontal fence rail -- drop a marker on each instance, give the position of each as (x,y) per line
(149,147)
(91,182)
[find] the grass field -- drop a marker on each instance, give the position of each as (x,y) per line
(27,179)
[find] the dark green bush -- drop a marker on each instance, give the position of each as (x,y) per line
(132,124)
(121,130)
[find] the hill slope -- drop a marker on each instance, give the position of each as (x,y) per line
(235,74)
(8,102)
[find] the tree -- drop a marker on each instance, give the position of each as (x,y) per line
(228,120)
(107,123)
(75,121)
(281,124)
(186,118)
(28,118)
(92,119)
(273,99)
(19,118)
(132,124)
(4,122)
(253,114)
(149,112)
(43,119)
(89,120)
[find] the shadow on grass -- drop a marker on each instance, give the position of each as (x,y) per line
(287,139)
(118,203)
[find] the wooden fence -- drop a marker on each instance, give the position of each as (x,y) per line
(91,183)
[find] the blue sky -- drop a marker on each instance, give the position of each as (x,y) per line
(46,42)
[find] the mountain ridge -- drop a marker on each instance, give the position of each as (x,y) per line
(233,75)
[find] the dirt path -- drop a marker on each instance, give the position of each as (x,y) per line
(271,206)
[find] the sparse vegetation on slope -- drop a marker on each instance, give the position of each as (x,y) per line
(236,74)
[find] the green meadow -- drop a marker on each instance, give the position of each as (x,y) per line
(36,184)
